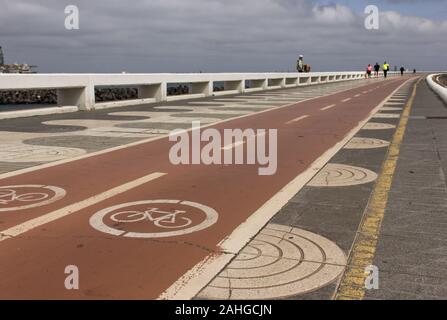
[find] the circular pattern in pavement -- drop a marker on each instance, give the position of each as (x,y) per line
(21,197)
(340,175)
(366,143)
(19,152)
(378,126)
(279,262)
(154,219)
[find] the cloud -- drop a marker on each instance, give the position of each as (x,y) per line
(394,22)
(333,14)
(213,36)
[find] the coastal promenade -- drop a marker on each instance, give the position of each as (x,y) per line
(359,183)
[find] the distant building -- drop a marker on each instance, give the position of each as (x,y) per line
(14,68)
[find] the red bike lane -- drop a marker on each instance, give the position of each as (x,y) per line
(121,260)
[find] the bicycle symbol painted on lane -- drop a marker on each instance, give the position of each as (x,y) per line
(154,218)
(165,219)
(21,197)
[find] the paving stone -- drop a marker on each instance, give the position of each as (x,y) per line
(401,286)
(88,143)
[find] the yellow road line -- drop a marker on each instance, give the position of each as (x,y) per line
(352,284)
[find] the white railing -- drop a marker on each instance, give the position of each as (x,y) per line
(436,87)
(78,90)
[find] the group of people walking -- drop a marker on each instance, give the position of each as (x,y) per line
(302,67)
(385,68)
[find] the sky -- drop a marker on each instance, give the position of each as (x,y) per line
(222,35)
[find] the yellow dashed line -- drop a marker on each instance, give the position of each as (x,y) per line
(352,285)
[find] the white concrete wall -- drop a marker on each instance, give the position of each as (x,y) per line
(440,90)
(79,89)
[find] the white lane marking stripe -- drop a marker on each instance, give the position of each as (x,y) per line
(164,136)
(233,145)
(357,95)
(63,212)
(297,119)
(195,279)
(328,107)
(346,100)
(141,142)
(238,143)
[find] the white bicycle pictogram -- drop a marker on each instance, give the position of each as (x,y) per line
(21,197)
(161,219)
(10,195)
(179,221)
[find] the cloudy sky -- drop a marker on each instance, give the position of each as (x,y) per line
(222,35)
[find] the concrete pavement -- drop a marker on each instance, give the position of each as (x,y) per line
(304,232)
(332,206)
(27,142)
(412,248)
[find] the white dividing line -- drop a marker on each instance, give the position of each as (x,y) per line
(241,142)
(297,119)
(144,141)
(357,95)
(346,100)
(63,212)
(233,145)
(194,280)
(163,136)
(328,107)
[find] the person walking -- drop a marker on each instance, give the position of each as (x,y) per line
(369,70)
(386,68)
(402,70)
(300,64)
(376,69)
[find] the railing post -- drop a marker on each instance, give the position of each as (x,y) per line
(238,85)
(283,83)
(259,84)
(83,98)
(205,88)
(151,91)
